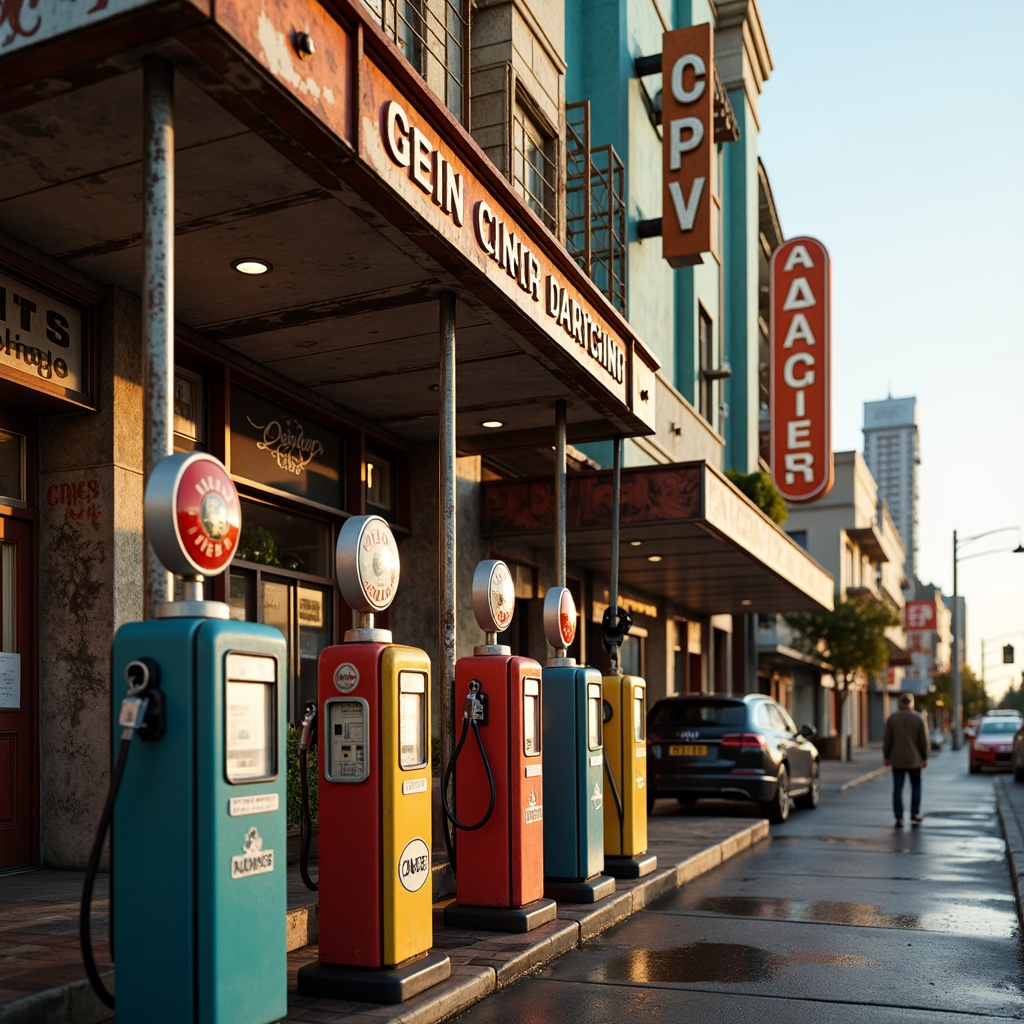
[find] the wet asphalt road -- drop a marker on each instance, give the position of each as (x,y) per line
(839,917)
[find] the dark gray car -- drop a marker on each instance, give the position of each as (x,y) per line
(743,747)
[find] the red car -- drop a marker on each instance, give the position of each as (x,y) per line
(992,745)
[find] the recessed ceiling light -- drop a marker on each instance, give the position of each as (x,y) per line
(635,543)
(654,558)
(252,266)
(746,602)
(492,424)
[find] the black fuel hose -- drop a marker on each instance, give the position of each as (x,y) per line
(305,819)
(448,813)
(84,936)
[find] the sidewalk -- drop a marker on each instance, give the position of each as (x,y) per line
(42,979)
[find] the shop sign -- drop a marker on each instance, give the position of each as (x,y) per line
(801,442)
(41,337)
(277,448)
(688,127)
(25,22)
(404,150)
(920,614)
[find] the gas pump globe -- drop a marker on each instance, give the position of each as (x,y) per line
(375,885)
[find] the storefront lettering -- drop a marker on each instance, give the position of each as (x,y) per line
(499,240)
(428,168)
(501,244)
(45,365)
(78,498)
(577,322)
(287,444)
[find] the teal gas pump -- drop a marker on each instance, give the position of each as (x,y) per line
(198,866)
(573,722)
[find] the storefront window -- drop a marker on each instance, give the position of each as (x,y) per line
(285,540)
(274,447)
(12,468)
(282,576)
(380,492)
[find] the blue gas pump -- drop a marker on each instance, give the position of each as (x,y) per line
(198,883)
(573,719)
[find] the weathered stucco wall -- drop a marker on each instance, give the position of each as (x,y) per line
(90,542)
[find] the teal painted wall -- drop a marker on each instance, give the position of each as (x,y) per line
(663,304)
(740,252)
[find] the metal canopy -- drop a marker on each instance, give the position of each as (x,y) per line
(686,533)
(348,311)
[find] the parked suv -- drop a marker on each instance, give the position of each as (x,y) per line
(733,747)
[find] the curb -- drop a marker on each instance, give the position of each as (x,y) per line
(861,779)
(489,962)
(1013,833)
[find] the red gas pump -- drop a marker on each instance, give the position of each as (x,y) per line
(499,813)
(375,891)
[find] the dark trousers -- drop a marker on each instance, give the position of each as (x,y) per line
(898,777)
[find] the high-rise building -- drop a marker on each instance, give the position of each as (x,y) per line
(891,452)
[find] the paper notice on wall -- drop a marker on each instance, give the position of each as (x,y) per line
(10,681)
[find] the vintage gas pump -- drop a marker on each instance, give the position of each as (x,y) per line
(625,759)
(574,755)
(198,858)
(498,815)
(375,891)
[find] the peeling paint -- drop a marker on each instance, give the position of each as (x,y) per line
(279,59)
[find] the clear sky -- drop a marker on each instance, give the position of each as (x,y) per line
(891,131)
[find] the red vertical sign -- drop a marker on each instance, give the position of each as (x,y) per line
(687,117)
(800,342)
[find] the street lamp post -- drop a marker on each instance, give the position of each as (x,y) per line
(958,725)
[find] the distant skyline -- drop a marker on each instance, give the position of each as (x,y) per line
(889,132)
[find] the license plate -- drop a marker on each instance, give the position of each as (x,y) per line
(688,750)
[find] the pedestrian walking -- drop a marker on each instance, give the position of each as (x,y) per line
(905,750)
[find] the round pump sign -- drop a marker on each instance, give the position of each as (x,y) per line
(559,617)
(367,564)
(494,596)
(192,514)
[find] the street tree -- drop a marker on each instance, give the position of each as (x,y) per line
(972,693)
(848,642)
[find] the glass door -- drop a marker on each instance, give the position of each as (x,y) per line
(19,801)
(301,610)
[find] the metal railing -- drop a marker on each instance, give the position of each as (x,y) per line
(535,168)
(595,232)
(434,36)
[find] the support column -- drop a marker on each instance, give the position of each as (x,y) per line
(560,409)
(446,523)
(158,291)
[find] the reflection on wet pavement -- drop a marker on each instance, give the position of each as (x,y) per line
(819,911)
(728,963)
(994,916)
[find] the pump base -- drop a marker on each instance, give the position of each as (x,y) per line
(630,867)
(591,890)
(501,919)
(373,985)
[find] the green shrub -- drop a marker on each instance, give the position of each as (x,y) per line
(294,778)
(758,487)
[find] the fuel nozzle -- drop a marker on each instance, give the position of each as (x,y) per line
(308,735)
(476,704)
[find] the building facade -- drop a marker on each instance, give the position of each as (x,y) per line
(850,532)
(891,450)
(375,257)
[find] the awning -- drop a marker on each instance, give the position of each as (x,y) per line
(898,655)
(687,534)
